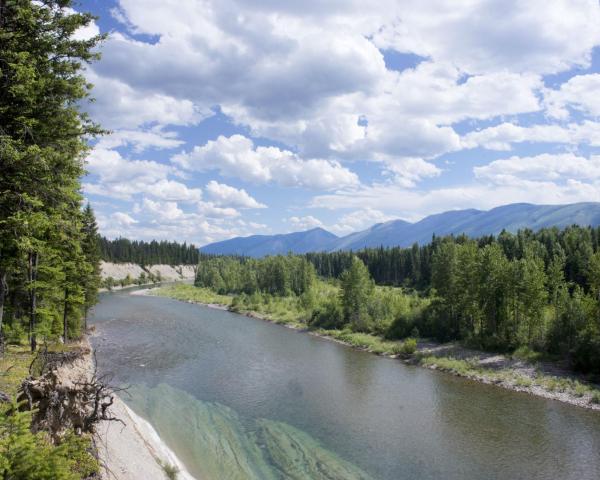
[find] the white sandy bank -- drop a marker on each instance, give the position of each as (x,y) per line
(119,271)
(133,451)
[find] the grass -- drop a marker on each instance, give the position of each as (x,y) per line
(185,292)
(14,367)
(471,368)
(171,471)
(371,343)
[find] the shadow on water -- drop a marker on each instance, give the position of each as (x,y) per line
(236,397)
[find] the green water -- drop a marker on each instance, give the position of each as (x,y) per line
(239,398)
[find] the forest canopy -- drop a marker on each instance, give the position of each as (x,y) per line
(535,289)
(122,250)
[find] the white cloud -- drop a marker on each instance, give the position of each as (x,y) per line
(545,167)
(579,93)
(532,36)
(121,178)
(542,179)
(412,204)
(163,211)
(110,166)
(409,171)
(359,220)
(236,156)
(123,219)
(307,222)
(225,195)
(503,136)
(120,106)
(140,140)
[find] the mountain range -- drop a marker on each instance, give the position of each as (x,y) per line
(471,222)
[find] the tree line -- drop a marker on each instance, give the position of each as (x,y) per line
(122,250)
(535,289)
(277,275)
(49,254)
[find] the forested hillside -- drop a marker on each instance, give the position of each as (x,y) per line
(49,253)
(536,290)
(123,250)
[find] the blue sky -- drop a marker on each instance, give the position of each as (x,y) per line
(239,117)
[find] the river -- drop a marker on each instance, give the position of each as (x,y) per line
(239,398)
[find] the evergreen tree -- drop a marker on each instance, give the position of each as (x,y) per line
(357,288)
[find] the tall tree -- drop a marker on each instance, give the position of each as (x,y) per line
(43,140)
(357,288)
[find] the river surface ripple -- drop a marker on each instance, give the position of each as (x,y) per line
(236,398)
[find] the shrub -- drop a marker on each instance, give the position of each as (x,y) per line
(409,346)
(525,353)
(14,334)
(329,315)
(595,398)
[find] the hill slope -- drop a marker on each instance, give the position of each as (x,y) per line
(472,222)
(315,240)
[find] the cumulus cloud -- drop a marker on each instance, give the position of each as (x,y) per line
(359,220)
(307,222)
(310,79)
(119,105)
(533,36)
(545,167)
(542,179)
(412,205)
(579,93)
(123,218)
(237,156)
(503,136)
(140,140)
(118,177)
(226,195)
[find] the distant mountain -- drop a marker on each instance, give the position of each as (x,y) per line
(315,240)
(474,223)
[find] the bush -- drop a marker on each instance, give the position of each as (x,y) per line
(25,455)
(329,315)
(409,346)
(14,334)
(526,354)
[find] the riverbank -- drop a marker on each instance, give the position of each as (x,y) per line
(130,449)
(542,379)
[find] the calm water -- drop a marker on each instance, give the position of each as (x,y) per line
(237,397)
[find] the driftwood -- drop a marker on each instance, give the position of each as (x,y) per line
(67,393)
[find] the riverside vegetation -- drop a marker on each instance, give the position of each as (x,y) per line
(531,296)
(49,255)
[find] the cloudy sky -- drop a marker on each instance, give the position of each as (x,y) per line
(238,117)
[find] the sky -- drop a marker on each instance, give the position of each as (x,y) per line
(238,117)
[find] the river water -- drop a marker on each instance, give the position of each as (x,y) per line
(239,398)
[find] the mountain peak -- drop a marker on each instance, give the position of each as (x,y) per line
(471,222)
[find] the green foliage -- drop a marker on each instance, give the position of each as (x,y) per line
(357,288)
(409,346)
(279,275)
(46,240)
(123,250)
(26,455)
(171,471)
(181,291)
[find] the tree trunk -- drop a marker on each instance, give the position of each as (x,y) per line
(33,267)
(3,290)
(65,312)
